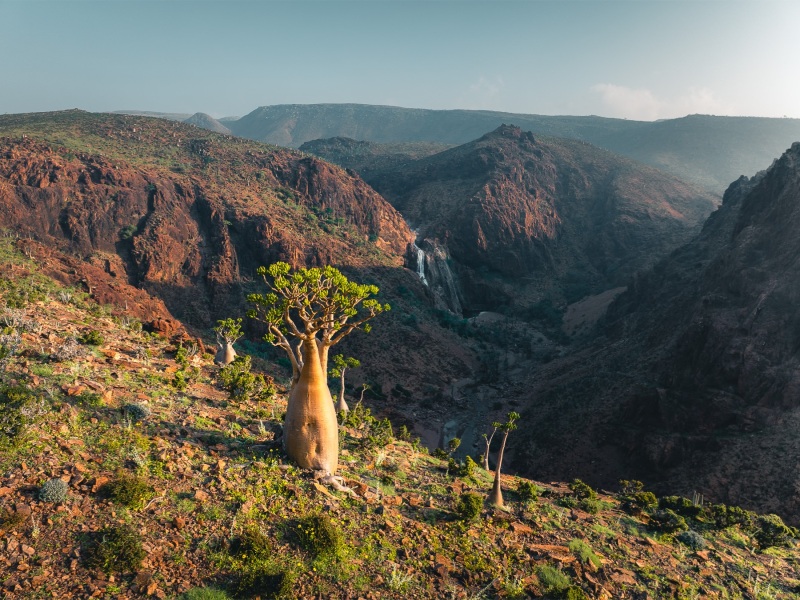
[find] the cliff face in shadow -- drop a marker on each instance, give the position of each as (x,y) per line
(696,385)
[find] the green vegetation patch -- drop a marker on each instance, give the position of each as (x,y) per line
(128,490)
(116,548)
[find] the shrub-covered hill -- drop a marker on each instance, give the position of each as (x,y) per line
(127,470)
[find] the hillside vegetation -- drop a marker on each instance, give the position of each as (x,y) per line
(131,466)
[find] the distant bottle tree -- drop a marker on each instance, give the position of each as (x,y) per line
(307,311)
(496,495)
(488,441)
(228,331)
(340,366)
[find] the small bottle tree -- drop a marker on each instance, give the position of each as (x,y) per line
(340,365)
(488,440)
(496,495)
(228,332)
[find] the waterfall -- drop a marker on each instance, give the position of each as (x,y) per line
(421,264)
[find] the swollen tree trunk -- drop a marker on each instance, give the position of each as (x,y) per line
(311,431)
(488,440)
(496,495)
(341,405)
(225,354)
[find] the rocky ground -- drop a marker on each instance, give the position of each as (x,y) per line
(190,496)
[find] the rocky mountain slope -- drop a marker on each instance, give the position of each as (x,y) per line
(522,216)
(697,382)
(130,471)
(172,221)
(207,122)
(180,213)
(707,150)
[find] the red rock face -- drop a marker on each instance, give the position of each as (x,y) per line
(189,240)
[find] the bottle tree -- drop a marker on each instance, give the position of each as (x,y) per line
(340,365)
(488,441)
(228,331)
(307,311)
(496,495)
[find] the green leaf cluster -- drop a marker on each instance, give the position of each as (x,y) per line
(306,301)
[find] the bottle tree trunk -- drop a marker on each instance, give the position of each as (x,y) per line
(311,431)
(225,354)
(496,495)
(341,405)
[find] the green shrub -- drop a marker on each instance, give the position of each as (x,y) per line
(634,499)
(319,535)
(527,490)
(590,505)
(692,539)
(116,548)
(89,399)
(552,580)
(241,384)
(128,490)
(729,516)
(265,581)
(440,453)
(380,434)
(770,530)
(136,411)
(358,416)
(668,521)
(469,506)
(11,520)
(682,506)
(256,573)
(461,469)
(182,357)
(180,380)
(640,501)
(19,410)
(92,338)
(252,543)
(575,593)
(630,487)
(54,491)
(582,490)
(404,434)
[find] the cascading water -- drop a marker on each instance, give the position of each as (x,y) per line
(421,264)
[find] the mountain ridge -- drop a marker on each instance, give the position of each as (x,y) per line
(707,150)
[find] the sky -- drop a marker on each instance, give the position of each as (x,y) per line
(638,59)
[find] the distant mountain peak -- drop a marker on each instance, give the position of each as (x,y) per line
(207,122)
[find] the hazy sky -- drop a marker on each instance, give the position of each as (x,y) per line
(643,59)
